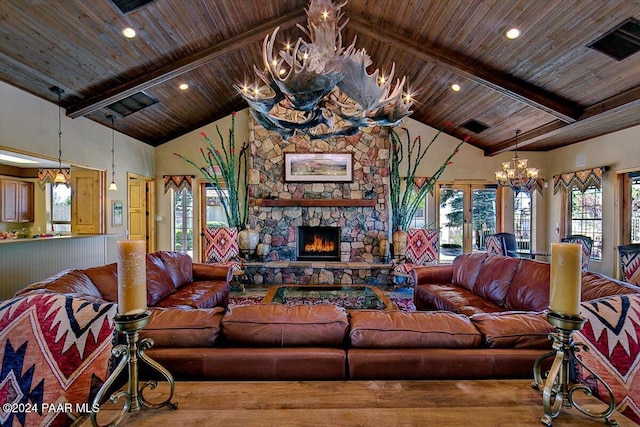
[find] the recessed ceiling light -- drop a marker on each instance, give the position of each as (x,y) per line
(455,87)
(184,86)
(513,33)
(129,33)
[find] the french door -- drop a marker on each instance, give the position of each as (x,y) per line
(467,214)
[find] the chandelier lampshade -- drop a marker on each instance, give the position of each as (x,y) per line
(319,88)
(516,174)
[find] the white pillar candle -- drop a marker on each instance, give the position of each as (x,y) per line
(566,278)
(132,277)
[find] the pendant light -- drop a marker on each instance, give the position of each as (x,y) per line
(113,186)
(60,178)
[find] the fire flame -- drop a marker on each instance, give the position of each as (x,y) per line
(319,244)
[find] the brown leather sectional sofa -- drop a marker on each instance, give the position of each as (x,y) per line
(173,280)
(482,318)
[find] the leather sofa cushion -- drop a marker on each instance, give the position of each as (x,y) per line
(178,266)
(175,327)
(159,282)
(253,364)
(452,298)
(514,329)
(529,290)
(495,278)
(69,282)
(596,285)
(105,278)
(398,329)
(441,364)
(277,325)
(198,295)
(466,269)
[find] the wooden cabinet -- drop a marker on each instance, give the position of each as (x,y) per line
(16,201)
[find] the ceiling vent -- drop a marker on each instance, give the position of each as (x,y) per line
(620,42)
(132,104)
(127,6)
(475,126)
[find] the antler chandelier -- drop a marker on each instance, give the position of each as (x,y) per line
(515,174)
(320,89)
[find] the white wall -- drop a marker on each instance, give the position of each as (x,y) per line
(167,163)
(30,124)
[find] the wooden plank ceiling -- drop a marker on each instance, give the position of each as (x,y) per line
(547,83)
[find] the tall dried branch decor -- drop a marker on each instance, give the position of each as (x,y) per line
(229,178)
(405,197)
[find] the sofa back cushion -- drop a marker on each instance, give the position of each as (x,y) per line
(511,329)
(179,265)
(277,325)
(399,329)
(596,285)
(529,290)
(495,277)
(105,278)
(70,282)
(159,283)
(466,269)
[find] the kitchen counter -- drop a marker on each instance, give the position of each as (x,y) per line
(63,236)
(29,260)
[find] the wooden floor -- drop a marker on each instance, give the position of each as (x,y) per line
(354,403)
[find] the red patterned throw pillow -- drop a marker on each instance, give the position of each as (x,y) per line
(612,333)
(221,244)
(55,352)
(422,246)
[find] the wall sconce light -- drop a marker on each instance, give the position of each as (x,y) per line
(113,186)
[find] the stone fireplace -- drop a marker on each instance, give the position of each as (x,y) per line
(359,209)
(318,243)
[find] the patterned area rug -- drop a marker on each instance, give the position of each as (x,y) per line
(403,304)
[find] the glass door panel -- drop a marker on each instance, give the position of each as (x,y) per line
(451,223)
(467,215)
(484,216)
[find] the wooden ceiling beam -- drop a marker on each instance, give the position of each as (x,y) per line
(615,105)
(507,85)
(183,65)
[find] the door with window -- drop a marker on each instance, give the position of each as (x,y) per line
(211,213)
(467,214)
(631,208)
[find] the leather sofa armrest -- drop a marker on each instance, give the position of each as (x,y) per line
(203,272)
(440,273)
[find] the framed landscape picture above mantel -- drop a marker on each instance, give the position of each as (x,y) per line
(318,167)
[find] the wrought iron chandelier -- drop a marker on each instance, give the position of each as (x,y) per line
(319,88)
(515,174)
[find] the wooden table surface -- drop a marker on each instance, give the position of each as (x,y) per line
(354,403)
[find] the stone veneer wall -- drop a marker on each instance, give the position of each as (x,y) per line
(362,227)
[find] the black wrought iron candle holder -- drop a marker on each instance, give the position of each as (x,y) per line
(557,385)
(134,400)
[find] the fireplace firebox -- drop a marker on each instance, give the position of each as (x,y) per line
(318,243)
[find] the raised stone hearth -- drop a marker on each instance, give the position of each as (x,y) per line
(306,272)
(359,208)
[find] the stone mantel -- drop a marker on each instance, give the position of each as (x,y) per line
(314,202)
